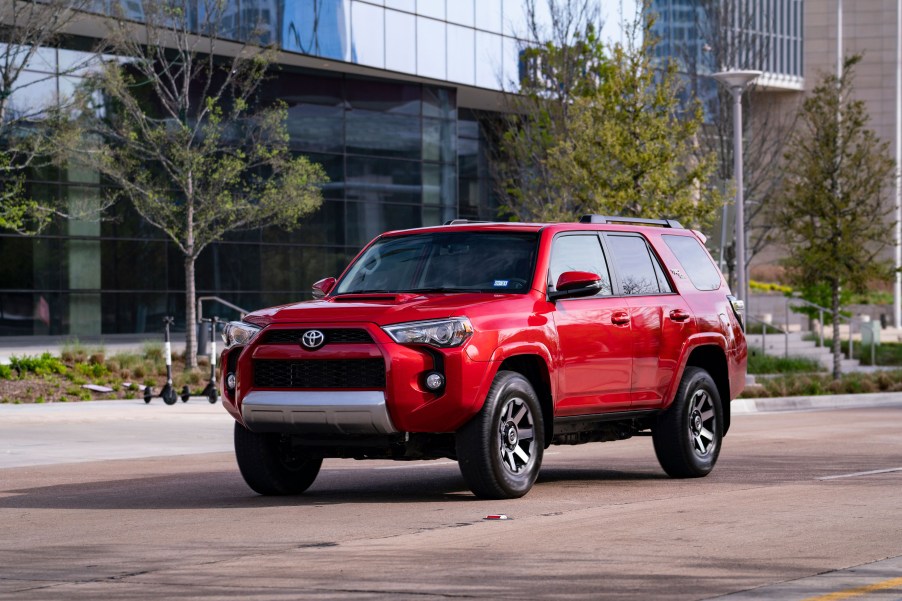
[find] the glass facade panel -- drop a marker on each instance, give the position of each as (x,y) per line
(488,60)
(431,48)
(461,12)
(383,134)
(400,42)
(405,5)
(488,15)
(383,180)
(368,33)
(366,220)
(432,8)
(461,55)
(515,18)
(439,140)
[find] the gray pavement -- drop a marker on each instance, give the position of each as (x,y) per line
(51,433)
(801,503)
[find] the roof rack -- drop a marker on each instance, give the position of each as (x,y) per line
(462,221)
(672,223)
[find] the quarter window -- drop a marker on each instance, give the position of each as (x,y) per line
(689,252)
(639,271)
(580,253)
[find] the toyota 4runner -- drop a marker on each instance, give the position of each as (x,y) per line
(486,343)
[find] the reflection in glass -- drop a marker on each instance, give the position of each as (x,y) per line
(438,140)
(510,69)
(315,127)
(461,55)
(368,33)
(378,95)
(400,42)
(430,48)
(440,188)
(383,180)
(439,102)
(366,220)
(383,134)
(318,27)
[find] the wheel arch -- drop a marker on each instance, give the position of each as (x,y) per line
(535,369)
(713,360)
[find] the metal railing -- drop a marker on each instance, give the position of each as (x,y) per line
(821,311)
(202,331)
(766,325)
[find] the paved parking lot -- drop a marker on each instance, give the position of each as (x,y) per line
(801,504)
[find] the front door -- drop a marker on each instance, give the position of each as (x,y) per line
(595,354)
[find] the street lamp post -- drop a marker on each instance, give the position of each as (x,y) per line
(737,82)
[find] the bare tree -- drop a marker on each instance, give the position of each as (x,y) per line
(30,133)
(178,135)
(728,35)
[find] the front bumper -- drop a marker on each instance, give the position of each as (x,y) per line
(399,403)
(317,412)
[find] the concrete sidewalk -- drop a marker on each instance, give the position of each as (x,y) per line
(56,433)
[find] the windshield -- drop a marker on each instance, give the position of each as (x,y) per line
(445,262)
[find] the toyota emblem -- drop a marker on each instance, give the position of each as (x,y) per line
(313,339)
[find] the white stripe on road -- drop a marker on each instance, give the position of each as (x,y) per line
(886,471)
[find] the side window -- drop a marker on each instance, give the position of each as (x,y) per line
(579,253)
(695,261)
(638,269)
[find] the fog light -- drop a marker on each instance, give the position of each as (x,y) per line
(231,381)
(435,380)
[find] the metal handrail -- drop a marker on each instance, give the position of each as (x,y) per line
(750,318)
(202,332)
(821,310)
(221,301)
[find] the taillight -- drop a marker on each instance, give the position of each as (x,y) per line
(738,310)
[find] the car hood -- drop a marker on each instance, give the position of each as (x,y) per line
(381,309)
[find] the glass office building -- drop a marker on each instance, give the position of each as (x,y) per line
(384,94)
(763,35)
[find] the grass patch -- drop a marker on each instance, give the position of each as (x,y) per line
(813,384)
(768,364)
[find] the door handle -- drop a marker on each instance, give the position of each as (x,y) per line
(620,318)
(679,315)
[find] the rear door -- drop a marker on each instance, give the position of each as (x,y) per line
(595,361)
(661,320)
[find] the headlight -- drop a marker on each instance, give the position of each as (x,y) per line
(443,332)
(238,333)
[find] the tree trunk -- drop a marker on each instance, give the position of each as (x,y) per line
(837,348)
(190,315)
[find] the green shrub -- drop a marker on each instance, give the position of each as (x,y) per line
(43,365)
(92,370)
(6,372)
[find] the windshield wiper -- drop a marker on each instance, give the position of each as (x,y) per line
(443,289)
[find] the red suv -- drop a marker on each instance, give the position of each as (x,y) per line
(486,343)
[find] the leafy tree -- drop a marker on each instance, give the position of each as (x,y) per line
(176,134)
(31,133)
(601,130)
(834,210)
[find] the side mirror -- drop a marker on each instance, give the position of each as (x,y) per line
(574,284)
(323,287)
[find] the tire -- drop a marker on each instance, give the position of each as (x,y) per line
(688,436)
(168,395)
(500,450)
(269,464)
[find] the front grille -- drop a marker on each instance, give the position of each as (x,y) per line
(327,373)
(333,336)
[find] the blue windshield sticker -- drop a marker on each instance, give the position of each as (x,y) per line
(501,283)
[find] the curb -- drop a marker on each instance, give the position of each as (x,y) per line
(816,403)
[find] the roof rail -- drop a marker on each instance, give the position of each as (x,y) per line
(672,223)
(462,221)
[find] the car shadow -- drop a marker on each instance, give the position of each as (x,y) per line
(226,489)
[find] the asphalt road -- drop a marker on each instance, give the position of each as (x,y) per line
(801,505)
